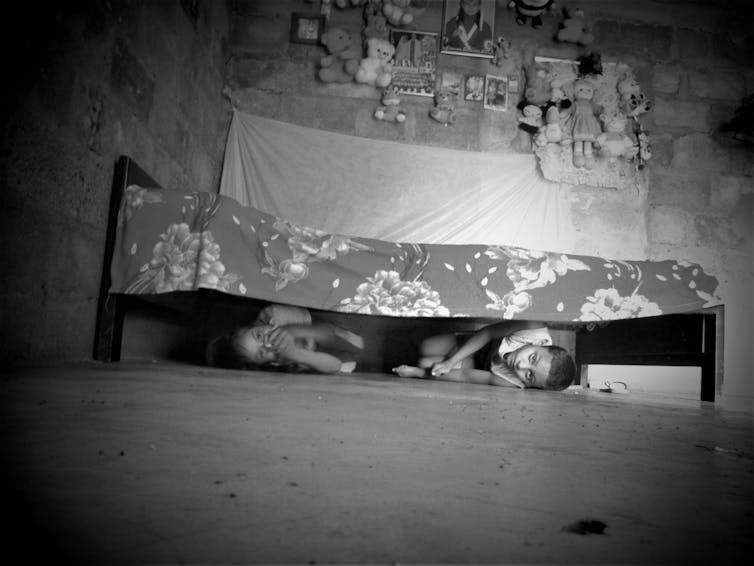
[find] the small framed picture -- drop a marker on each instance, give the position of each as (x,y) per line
(415,61)
(468,28)
(452,82)
(496,93)
(306,28)
(474,88)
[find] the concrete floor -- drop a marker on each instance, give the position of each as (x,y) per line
(162,463)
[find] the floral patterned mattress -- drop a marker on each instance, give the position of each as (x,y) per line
(173,241)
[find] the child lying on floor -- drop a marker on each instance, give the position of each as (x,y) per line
(283,338)
(524,357)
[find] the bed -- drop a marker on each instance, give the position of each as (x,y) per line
(163,244)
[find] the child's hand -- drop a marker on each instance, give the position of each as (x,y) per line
(280,341)
(441,368)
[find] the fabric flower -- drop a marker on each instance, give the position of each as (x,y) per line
(386,294)
(608,304)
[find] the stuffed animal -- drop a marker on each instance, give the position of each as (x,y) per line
(583,124)
(531,120)
(376,68)
(632,100)
(390,111)
(538,88)
(590,64)
(531,9)
(614,142)
(444,110)
(396,12)
(551,132)
(343,4)
(341,64)
(375,23)
(573,29)
(502,51)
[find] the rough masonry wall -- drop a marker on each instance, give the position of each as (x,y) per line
(87,82)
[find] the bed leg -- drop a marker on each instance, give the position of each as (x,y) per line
(709,356)
(109,331)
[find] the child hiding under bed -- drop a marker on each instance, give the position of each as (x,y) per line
(284,338)
(521,355)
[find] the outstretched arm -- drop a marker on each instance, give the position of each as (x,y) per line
(325,333)
(481,339)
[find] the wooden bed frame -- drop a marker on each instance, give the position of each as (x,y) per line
(673,340)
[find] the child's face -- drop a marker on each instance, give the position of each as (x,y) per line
(471,7)
(250,344)
(531,364)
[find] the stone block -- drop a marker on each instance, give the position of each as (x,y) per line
(727,192)
(666,79)
(131,81)
(702,152)
(716,84)
(730,231)
(260,33)
(662,149)
(693,44)
(668,225)
(681,114)
(640,39)
(690,192)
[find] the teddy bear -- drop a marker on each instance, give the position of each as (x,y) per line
(444,110)
(376,68)
(573,29)
(613,141)
(342,62)
(396,12)
(390,111)
(531,9)
(375,23)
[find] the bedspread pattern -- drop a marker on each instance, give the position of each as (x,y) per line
(174,241)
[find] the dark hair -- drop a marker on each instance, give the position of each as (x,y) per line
(221,353)
(562,369)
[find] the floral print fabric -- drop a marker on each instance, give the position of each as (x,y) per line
(173,241)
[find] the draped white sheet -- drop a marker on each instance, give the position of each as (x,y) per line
(392,191)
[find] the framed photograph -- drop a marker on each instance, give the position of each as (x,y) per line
(415,61)
(468,28)
(496,93)
(474,88)
(306,28)
(452,82)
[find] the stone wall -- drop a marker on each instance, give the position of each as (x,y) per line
(691,58)
(87,82)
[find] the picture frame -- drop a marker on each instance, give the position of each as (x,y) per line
(473,87)
(496,93)
(459,38)
(306,28)
(452,81)
(415,61)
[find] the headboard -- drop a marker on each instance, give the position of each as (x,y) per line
(111,307)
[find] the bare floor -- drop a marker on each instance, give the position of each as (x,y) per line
(145,463)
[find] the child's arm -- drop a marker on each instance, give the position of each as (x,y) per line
(325,333)
(481,339)
(282,341)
